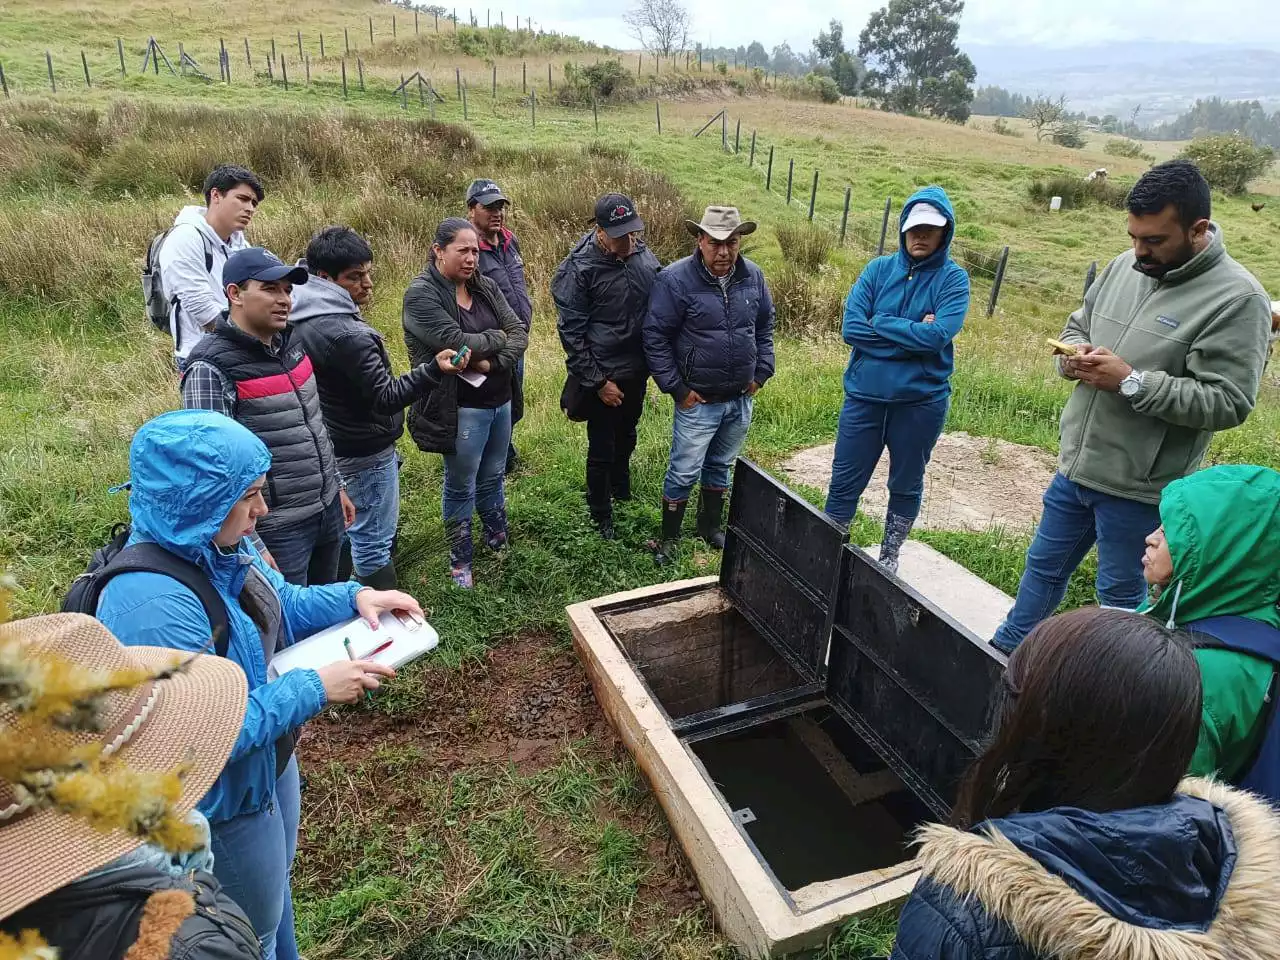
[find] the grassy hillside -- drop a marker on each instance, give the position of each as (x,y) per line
(424,834)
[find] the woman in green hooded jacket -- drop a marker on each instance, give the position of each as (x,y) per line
(1214,570)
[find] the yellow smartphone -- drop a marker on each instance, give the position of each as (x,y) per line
(1066,349)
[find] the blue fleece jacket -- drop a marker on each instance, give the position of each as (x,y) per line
(897,357)
(187,469)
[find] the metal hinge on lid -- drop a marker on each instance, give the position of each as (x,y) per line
(744,816)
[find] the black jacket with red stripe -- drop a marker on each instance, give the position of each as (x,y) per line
(278,400)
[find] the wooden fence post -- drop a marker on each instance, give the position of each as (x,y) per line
(415,21)
(393,26)
(273,48)
(360,68)
(751,160)
(457,76)
(120,50)
(524,78)
(548,78)
(306,62)
(998,281)
(724,130)
(495,81)
(84,62)
(768,176)
(371,30)
(48,59)
(248,57)
(884,226)
(639,64)
(346,39)
(284,72)
(844,217)
(300,53)
(465,115)
(737,135)
(533,110)
(813,195)
(344,78)
(4,82)
(595,112)
(322,46)
(657,108)
(404,94)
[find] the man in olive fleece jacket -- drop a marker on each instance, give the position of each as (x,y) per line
(1170,346)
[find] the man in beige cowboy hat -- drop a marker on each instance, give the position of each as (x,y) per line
(708,338)
(96,895)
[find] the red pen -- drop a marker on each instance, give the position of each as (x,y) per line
(377,650)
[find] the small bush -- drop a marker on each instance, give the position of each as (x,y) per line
(738,85)
(822,87)
(607,81)
(808,303)
(1230,161)
(1077,192)
(806,246)
(1005,129)
(1069,135)
(1129,149)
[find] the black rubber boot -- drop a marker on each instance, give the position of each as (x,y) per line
(384,578)
(710,517)
(600,499)
(672,521)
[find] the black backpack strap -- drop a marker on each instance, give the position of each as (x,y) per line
(153,558)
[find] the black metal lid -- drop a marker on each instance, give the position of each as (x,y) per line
(914,683)
(781,566)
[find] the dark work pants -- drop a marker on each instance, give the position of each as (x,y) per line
(611,439)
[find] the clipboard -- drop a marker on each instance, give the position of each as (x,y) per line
(409,636)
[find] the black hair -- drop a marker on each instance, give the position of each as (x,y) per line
(1176,182)
(227,177)
(1100,710)
(448,232)
(335,249)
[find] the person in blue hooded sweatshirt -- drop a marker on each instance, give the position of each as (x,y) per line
(1076,837)
(900,319)
(196,481)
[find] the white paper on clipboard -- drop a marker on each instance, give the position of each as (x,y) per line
(410,638)
(471,377)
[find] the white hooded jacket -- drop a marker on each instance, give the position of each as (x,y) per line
(196,295)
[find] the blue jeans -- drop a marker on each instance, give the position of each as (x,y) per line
(707,438)
(473,473)
(376,493)
(1074,519)
(307,552)
(252,856)
(909,430)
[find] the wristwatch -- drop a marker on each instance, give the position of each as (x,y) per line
(1131,384)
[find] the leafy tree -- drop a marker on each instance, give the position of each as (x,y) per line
(993,101)
(757,56)
(661,26)
(843,67)
(1069,134)
(785,60)
(911,42)
(1230,161)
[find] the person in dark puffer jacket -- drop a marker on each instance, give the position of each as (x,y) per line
(601,290)
(97,895)
(248,369)
(362,402)
(708,338)
(448,306)
(1086,843)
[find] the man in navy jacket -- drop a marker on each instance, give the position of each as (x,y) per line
(500,261)
(708,338)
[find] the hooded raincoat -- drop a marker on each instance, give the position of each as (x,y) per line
(896,356)
(187,469)
(1192,879)
(1223,529)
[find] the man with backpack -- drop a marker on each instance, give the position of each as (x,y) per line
(182,281)
(362,402)
(249,369)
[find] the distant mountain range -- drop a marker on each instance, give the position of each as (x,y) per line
(1165,78)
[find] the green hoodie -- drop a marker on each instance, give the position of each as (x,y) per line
(1223,529)
(1199,337)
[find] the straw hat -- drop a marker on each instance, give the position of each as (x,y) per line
(721,223)
(193,717)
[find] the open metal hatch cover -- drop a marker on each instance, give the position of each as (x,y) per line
(781,567)
(916,685)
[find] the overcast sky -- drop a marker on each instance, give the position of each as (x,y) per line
(1039,22)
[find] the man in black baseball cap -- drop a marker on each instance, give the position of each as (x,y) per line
(601,290)
(250,370)
(501,262)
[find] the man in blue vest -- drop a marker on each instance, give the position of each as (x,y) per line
(248,369)
(501,262)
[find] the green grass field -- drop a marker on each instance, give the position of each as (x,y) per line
(424,834)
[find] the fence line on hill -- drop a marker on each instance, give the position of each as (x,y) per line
(869,231)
